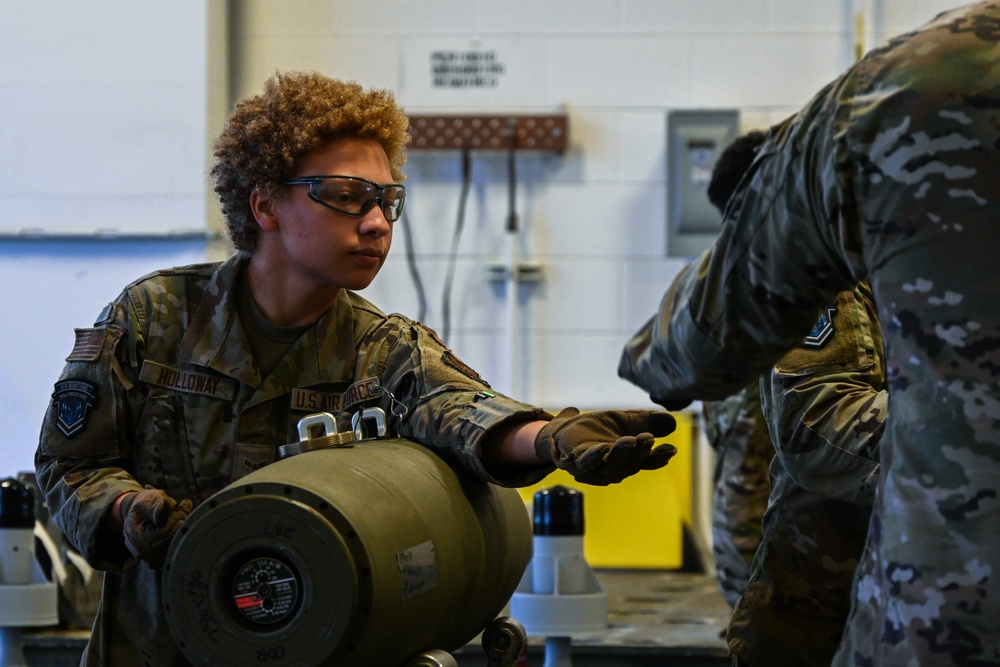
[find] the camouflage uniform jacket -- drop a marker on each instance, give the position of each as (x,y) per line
(888,175)
(825,406)
(164,390)
(736,431)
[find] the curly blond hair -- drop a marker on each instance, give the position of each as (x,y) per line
(269,133)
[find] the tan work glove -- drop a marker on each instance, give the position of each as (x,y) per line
(151,518)
(605,446)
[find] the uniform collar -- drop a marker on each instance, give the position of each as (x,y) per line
(215,339)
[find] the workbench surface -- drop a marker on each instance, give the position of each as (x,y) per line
(655,618)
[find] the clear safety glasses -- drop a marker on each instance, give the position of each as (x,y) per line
(353,196)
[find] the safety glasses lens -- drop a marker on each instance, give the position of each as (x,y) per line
(392,202)
(354,196)
(345,194)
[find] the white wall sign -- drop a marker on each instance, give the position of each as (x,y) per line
(456,73)
(470,68)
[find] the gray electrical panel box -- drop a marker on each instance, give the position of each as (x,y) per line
(694,140)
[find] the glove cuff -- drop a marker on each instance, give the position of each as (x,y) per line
(545,442)
(125,505)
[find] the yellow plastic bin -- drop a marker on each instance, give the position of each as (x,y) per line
(638,523)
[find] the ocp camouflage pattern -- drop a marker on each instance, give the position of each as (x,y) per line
(825,406)
(889,174)
(181,405)
(736,431)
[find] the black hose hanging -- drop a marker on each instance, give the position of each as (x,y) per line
(411,263)
(453,256)
(512,176)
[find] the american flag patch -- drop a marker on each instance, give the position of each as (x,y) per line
(88,345)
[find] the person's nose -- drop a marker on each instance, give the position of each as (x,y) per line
(374,222)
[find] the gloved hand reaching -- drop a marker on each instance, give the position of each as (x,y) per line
(151,518)
(605,446)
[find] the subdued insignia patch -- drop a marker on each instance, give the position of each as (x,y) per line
(72,400)
(249,458)
(822,331)
(87,346)
(451,360)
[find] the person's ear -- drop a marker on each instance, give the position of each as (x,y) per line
(264,210)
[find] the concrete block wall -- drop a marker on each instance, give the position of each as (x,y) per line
(594,218)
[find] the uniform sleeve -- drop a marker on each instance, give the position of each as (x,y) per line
(741,486)
(658,374)
(445,403)
(825,402)
(787,246)
(79,462)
